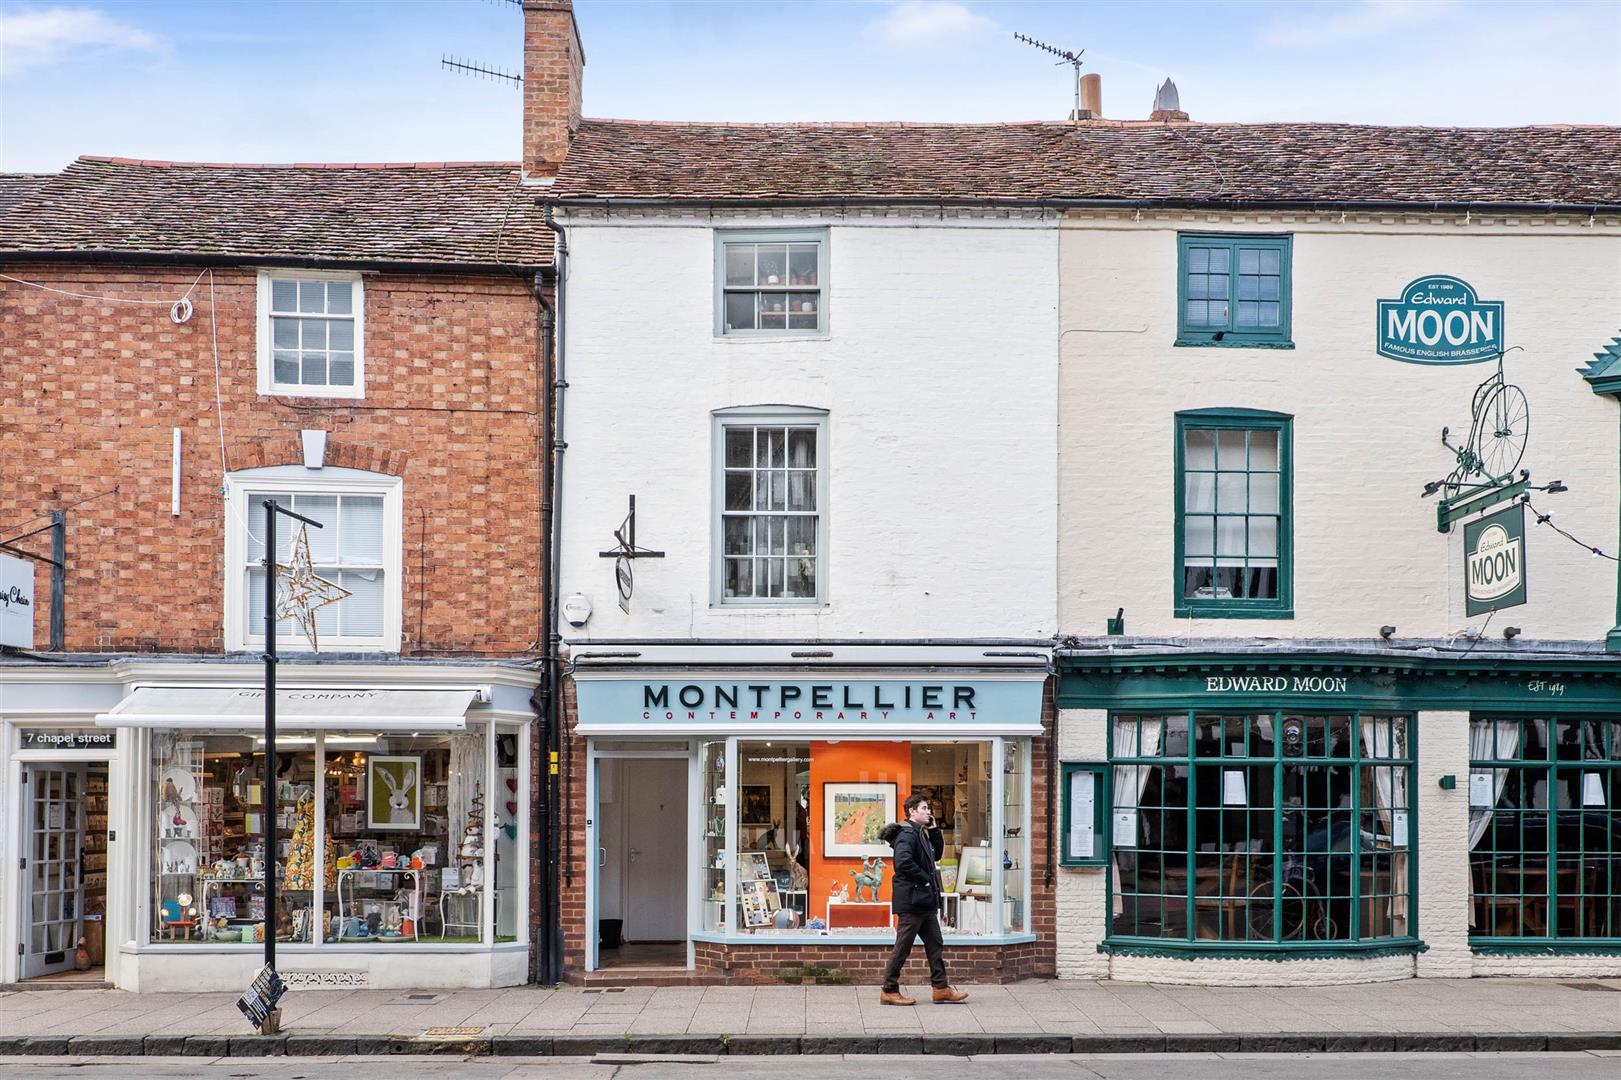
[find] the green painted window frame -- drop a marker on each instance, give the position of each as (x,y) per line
(817,236)
(1101,772)
(1281,606)
(1232,336)
(1191,944)
(1550,767)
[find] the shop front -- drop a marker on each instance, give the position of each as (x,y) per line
(732,814)
(400,851)
(1308,817)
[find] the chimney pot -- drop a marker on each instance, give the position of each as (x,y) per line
(1091,98)
(553,73)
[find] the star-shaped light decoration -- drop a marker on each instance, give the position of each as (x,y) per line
(300,591)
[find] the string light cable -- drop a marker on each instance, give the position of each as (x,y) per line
(174,306)
(1547,519)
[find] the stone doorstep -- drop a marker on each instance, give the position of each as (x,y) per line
(620,1049)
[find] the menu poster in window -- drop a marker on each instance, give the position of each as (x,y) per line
(1480,789)
(1398,828)
(1125,829)
(1082,814)
(394,792)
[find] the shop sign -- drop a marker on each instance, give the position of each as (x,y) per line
(68,738)
(1494,561)
(16,602)
(1277,684)
(735,704)
(1439,320)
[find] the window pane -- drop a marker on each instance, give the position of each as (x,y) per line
(1230,453)
(739,264)
(1198,313)
(360,531)
(773,309)
(802,264)
(1263,449)
(1230,536)
(1248,289)
(1270,260)
(1230,495)
(802,578)
(314,333)
(739,447)
(286,367)
(773,264)
(1200,449)
(361,615)
(1248,315)
(802,491)
(340,369)
(739,577)
(313,371)
(737,535)
(284,333)
(324,541)
(311,297)
(284,295)
(802,536)
(739,311)
(1270,315)
(1199,493)
(802,448)
(777,440)
(1249,261)
(778,536)
(1263,536)
(1199,536)
(339,297)
(1220,263)
(1198,260)
(802,308)
(1264,493)
(340,334)
(1267,288)
(739,491)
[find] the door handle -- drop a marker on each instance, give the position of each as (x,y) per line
(633,853)
(602,857)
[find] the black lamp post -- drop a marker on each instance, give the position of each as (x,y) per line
(268,805)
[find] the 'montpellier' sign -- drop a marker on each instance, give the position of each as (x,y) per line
(1440,320)
(16,602)
(1494,561)
(833,706)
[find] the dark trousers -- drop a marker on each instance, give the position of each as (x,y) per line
(908,927)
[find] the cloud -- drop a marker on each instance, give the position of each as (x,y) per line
(44,36)
(1354,22)
(918,24)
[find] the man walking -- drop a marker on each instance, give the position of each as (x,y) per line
(915,899)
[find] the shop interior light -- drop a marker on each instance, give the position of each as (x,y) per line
(1592,789)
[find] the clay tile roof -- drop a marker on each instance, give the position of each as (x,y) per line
(430,213)
(1330,163)
(14,186)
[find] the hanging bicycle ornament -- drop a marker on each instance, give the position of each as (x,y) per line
(300,591)
(1486,466)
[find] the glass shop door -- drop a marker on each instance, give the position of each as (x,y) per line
(53,886)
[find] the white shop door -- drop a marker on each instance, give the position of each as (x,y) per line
(53,895)
(655,831)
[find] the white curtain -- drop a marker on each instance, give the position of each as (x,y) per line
(466,780)
(1481,748)
(1390,789)
(1131,780)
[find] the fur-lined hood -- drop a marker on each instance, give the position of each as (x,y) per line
(888,833)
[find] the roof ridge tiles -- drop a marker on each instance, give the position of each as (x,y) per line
(99,159)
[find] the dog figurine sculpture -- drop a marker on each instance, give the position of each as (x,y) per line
(869,877)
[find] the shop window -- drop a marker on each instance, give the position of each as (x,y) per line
(1233,290)
(1267,829)
(771,496)
(1234,524)
(771,283)
(358,548)
(389,841)
(311,333)
(1545,829)
(792,845)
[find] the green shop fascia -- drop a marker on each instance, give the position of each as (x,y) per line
(1263,801)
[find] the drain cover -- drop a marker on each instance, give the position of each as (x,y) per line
(453,1032)
(415,999)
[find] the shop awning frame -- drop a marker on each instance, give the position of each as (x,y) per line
(306,708)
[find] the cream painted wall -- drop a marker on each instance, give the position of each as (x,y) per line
(939,374)
(1366,429)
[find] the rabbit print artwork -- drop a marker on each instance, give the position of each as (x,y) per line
(396,794)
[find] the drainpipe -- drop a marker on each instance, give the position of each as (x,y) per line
(540,700)
(555,738)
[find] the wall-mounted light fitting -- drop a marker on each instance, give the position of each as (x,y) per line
(1511,632)
(1387,632)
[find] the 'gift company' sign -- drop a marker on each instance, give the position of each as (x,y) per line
(1440,320)
(1494,561)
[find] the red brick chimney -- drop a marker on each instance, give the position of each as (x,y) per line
(553,68)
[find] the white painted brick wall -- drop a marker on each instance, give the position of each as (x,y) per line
(1366,430)
(1443,845)
(1082,899)
(939,372)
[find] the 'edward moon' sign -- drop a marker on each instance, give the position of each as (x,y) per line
(1494,562)
(1440,320)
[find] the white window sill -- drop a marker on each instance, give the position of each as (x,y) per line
(356,393)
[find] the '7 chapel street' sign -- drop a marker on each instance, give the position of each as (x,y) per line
(1440,320)
(1494,561)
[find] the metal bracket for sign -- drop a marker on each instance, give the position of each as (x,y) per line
(626,535)
(1481,497)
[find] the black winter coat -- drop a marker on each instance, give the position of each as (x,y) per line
(915,888)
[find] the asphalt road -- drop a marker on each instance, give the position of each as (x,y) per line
(1544,1066)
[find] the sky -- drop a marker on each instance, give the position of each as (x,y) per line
(361,80)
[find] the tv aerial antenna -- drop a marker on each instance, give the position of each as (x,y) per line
(1064,57)
(484,71)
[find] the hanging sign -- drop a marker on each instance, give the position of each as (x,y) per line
(1439,320)
(1494,561)
(625,580)
(16,602)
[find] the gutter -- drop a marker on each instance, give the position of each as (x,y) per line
(1057,203)
(162,258)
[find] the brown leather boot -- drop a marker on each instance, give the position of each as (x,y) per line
(948,996)
(895,997)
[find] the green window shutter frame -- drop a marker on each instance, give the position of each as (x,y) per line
(1192,277)
(1281,606)
(1101,799)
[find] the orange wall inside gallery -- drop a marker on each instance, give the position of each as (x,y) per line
(848,763)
